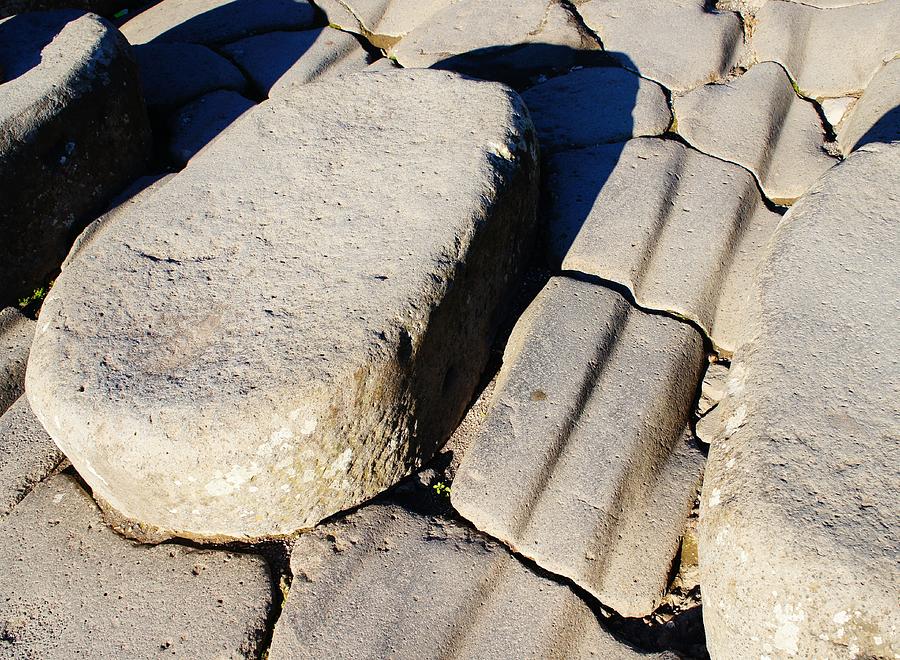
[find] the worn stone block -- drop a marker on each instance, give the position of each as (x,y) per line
(27,454)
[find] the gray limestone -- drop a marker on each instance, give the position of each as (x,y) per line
(291,344)
(27,454)
(585,462)
(799,537)
(876,116)
(16,333)
(196,124)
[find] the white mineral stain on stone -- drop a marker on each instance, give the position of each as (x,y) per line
(787,635)
(715,497)
(841,618)
(218,487)
(340,464)
(308,426)
(58,498)
(308,475)
(736,421)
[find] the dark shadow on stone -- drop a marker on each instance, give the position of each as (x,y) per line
(886,129)
(22,39)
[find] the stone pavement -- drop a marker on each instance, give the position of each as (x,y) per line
(404,329)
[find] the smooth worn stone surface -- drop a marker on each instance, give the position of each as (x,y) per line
(278,61)
(876,116)
(679,44)
(594,106)
(798,521)
(382,22)
(817,48)
(16,333)
(288,346)
(217,21)
(173,74)
(756,120)
(835,110)
(418,586)
(585,462)
(72,587)
(512,41)
(196,124)
(73,130)
(27,454)
(682,230)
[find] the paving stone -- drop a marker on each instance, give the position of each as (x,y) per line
(73,130)
(382,22)
(513,41)
(876,116)
(596,105)
(427,587)
(799,535)
(284,347)
(814,47)
(682,230)
(278,61)
(27,454)
(196,124)
(173,74)
(16,333)
(756,120)
(72,587)
(217,21)
(585,462)
(679,44)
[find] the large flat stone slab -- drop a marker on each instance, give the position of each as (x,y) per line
(288,345)
(756,120)
(679,44)
(427,587)
(799,536)
(27,454)
(73,130)
(816,46)
(682,230)
(382,22)
(73,587)
(16,333)
(596,105)
(585,462)
(876,116)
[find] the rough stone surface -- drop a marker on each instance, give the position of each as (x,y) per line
(382,22)
(217,21)
(278,61)
(756,120)
(679,44)
(72,587)
(173,74)
(585,462)
(27,454)
(799,537)
(196,124)
(292,344)
(427,587)
(16,333)
(682,230)
(73,130)
(594,106)
(876,116)
(816,48)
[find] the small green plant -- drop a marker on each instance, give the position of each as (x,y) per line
(441,489)
(34,300)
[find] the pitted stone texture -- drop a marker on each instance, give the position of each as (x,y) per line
(199,122)
(290,344)
(682,230)
(73,130)
(16,333)
(73,587)
(814,47)
(585,463)
(799,530)
(217,21)
(418,586)
(679,44)
(876,116)
(27,454)
(594,106)
(173,74)
(278,61)
(382,22)
(756,120)
(512,41)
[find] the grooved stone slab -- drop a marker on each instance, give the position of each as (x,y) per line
(27,454)
(679,44)
(682,230)
(422,587)
(876,116)
(584,463)
(596,105)
(799,536)
(73,131)
(16,333)
(756,120)
(217,21)
(815,47)
(196,124)
(73,587)
(300,316)
(382,22)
